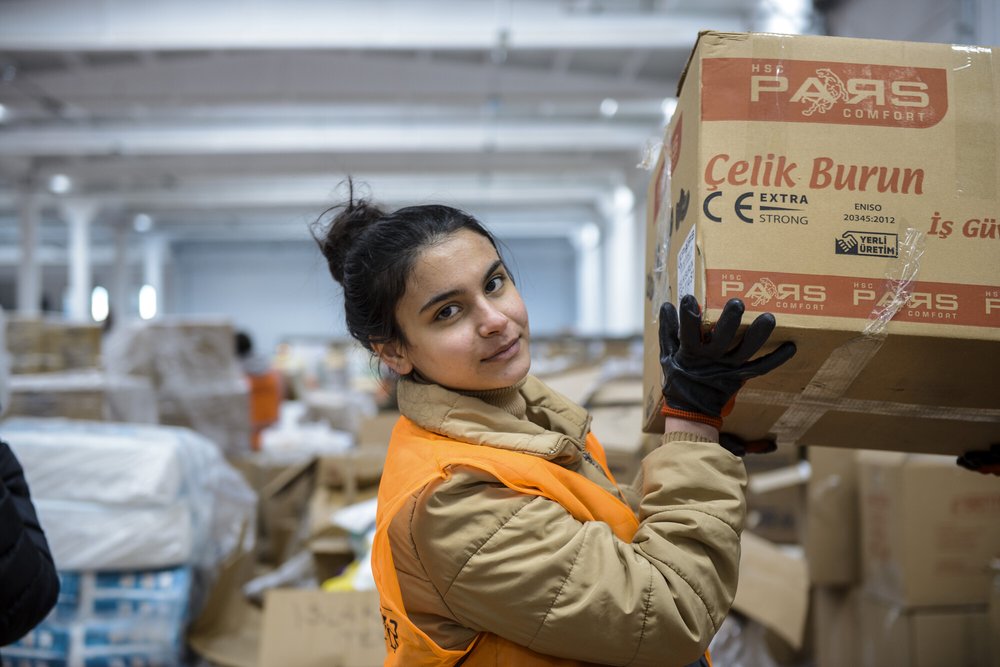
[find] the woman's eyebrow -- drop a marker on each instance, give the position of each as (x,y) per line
(444,296)
(493,267)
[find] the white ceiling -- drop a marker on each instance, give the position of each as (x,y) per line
(212,114)
(241,116)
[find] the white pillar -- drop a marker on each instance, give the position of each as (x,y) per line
(589,273)
(154,259)
(623,297)
(78,216)
(119,276)
(29,273)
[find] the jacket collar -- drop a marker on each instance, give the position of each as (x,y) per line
(555,428)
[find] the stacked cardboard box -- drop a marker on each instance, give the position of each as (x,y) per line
(899,559)
(86,394)
(929,533)
(45,345)
(851,187)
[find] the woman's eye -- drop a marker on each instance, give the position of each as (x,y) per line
(495,283)
(446,312)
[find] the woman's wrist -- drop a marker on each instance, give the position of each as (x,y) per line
(676,424)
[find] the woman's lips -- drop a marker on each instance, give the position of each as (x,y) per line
(506,352)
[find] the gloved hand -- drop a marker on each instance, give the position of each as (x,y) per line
(703,372)
(740,447)
(986,461)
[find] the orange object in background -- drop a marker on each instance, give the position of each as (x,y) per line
(265,403)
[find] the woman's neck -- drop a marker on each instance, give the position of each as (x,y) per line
(508,399)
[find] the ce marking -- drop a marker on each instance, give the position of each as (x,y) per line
(739,207)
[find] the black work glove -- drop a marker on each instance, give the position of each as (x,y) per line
(703,372)
(986,461)
(740,447)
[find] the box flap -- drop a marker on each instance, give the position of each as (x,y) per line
(774,588)
(308,628)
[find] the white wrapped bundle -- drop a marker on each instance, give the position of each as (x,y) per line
(128,470)
(69,463)
(96,536)
(194,370)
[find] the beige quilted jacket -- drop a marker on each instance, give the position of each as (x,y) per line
(473,555)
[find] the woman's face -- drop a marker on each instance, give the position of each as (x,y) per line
(465,323)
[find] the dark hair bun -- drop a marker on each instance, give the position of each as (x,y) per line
(349,220)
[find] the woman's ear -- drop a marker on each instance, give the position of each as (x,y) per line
(393,355)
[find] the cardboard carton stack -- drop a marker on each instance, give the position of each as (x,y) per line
(56,372)
(83,394)
(929,532)
(851,187)
(50,345)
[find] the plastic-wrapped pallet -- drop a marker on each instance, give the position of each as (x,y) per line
(139,518)
(194,370)
(124,480)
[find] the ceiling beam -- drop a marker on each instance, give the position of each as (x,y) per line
(535,136)
(314,192)
(179,25)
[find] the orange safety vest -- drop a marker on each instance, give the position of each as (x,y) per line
(265,403)
(416,457)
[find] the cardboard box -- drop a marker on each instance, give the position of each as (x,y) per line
(89,395)
(331,546)
(929,529)
(307,628)
(45,344)
(818,178)
(776,496)
(284,489)
(836,628)
(227,629)
(833,520)
(361,466)
(774,588)
(891,635)
(357,468)
(994,607)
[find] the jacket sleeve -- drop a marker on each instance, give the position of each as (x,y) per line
(29,584)
(522,567)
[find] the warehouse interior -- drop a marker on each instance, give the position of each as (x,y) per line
(161,168)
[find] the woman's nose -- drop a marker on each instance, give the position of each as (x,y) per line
(493,320)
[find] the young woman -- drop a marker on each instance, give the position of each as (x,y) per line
(502,539)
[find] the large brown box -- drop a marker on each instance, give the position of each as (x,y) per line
(851,188)
(833,519)
(87,394)
(891,635)
(929,530)
(45,345)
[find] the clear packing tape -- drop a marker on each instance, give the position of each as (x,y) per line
(827,387)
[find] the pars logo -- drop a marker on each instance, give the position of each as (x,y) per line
(823,92)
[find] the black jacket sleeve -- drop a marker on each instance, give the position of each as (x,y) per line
(29,584)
